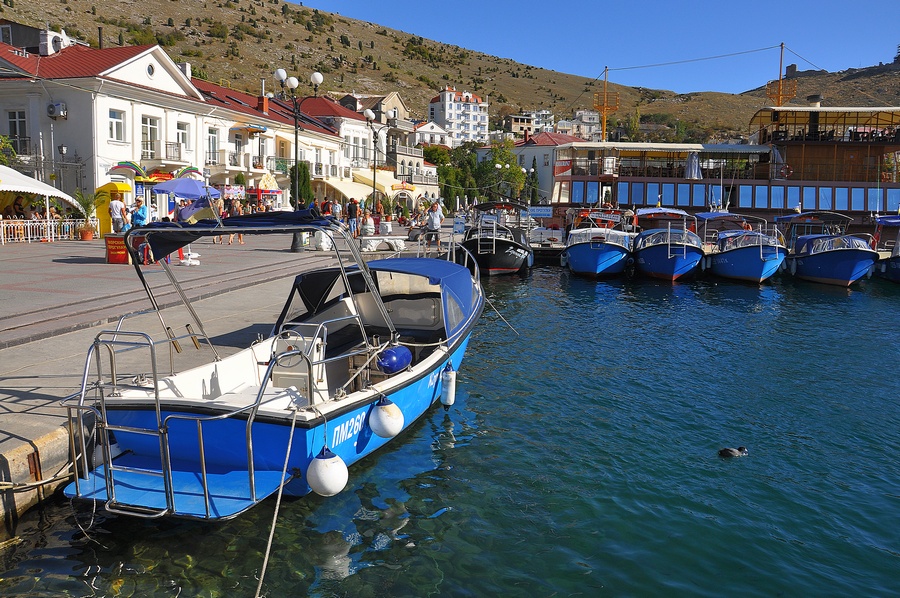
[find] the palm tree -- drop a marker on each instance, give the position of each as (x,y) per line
(88,202)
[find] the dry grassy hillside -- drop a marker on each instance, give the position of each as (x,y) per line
(240,42)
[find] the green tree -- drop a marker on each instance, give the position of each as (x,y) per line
(87,202)
(7,151)
(301,170)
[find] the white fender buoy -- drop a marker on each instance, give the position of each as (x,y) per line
(870,271)
(793,266)
(448,386)
(386,419)
(327,474)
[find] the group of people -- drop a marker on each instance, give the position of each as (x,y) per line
(362,221)
(123,218)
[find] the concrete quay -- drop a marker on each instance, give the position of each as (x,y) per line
(55,297)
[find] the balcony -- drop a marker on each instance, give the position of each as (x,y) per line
(406,150)
(157,153)
(21,145)
(418,179)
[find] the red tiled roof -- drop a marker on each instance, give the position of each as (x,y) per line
(552,139)
(320,106)
(279,111)
(71,62)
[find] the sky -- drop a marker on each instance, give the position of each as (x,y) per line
(696,45)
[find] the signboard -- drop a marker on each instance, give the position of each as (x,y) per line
(459,224)
(540,211)
(602,216)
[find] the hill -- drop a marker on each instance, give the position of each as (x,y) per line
(240,42)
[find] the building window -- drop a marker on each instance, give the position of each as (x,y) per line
(182,134)
(212,146)
(116,125)
(348,151)
(149,137)
(17,133)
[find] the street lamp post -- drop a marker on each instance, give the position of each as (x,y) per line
(288,89)
(370,120)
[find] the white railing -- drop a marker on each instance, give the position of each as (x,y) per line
(30,231)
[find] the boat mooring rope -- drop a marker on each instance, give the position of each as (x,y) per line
(287,456)
(501,315)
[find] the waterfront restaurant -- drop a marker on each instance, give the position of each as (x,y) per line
(810,158)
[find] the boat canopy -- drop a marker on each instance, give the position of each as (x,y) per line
(166,237)
(659,212)
(502,204)
(893,220)
(814,217)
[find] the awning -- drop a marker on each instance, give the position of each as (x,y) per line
(349,189)
(115,187)
(252,129)
(384,181)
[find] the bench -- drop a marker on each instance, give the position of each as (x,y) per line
(372,242)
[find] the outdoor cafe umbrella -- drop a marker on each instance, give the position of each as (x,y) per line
(187,189)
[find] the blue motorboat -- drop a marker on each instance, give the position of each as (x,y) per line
(886,242)
(668,248)
(739,247)
(597,244)
(358,353)
(820,250)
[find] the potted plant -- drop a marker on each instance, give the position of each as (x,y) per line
(87,204)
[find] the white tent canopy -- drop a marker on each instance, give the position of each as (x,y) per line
(13,181)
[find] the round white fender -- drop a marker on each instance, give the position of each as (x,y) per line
(448,386)
(327,474)
(793,267)
(386,419)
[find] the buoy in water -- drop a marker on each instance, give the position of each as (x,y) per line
(386,419)
(327,474)
(448,386)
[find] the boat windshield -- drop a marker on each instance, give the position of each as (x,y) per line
(824,244)
(667,237)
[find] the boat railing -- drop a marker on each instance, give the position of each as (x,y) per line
(100,391)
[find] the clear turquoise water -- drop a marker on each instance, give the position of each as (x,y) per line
(580,459)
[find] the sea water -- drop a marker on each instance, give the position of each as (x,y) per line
(580,459)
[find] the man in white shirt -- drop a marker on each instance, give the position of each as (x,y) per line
(433,220)
(117,213)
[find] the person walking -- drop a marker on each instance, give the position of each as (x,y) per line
(117,213)
(433,220)
(352,215)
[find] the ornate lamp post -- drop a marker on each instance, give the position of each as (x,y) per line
(288,90)
(376,131)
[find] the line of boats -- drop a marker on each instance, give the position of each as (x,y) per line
(670,244)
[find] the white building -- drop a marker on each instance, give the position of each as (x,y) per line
(130,114)
(463,115)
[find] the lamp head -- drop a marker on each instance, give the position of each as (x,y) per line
(291,83)
(280,75)
(370,116)
(316,79)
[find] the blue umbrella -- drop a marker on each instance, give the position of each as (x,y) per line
(187,189)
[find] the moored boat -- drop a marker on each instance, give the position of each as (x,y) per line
(597,244)
(820,250)
(886,241)
(359,352)
(739,247)
(498,239)
(667,248)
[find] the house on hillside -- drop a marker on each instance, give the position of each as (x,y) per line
(464,115)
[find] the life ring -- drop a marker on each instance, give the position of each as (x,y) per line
(786,171)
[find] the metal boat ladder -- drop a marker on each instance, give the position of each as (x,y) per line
(487,244)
